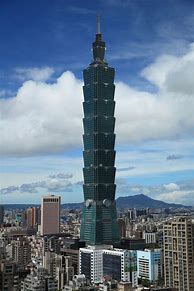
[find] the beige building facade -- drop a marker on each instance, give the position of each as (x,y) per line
(50,214)
(179,254)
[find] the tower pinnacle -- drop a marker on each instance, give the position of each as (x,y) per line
(98,24)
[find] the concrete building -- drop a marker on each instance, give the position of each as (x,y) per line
(78,282)
(122,227)
(150,237)
(179,254)
(71,248)
(134,213)
(149,264)
(59,267)
(21,252)
(39,280)
(120,265)
(50,214)
(9,279)
(1,214)
(51,244)
(90,260)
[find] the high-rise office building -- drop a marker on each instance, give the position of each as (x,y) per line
(50,214)
(32,214)
(99,219)
(179,254)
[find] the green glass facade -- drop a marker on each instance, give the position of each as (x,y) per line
(99,219)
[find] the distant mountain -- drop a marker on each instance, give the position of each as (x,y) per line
(143,201)
(72,205)
(136,201)
(19,206)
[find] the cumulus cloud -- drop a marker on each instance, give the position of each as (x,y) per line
(173,74)
(54,183)
(46,118)
(35,74)
(167,114)
(171,187)
(42,117)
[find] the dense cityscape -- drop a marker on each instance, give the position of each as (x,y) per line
(152,240)
(129,243)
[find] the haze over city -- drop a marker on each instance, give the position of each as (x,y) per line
(44,47)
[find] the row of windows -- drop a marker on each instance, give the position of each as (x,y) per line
(99,158)
(99,107)
(101,92)
(50,200)
(99,175)
(98,74)
(99,141)
(99,124)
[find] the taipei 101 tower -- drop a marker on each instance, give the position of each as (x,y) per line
(99,218)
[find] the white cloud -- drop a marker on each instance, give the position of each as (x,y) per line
(55,183)
(184,197)
(157,72)
(35,74)
(44,118)
(167,114)
(171,187)
(173,74)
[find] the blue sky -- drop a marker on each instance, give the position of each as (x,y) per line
(44,47)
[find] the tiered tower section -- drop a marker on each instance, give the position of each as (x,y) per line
(99,218)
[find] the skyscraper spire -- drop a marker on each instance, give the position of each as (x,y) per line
(98,24)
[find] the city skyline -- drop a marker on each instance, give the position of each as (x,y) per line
(40,79)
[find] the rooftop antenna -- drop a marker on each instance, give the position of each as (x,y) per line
(98,24)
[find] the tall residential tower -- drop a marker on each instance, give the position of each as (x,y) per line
(99,219)
(179,254)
